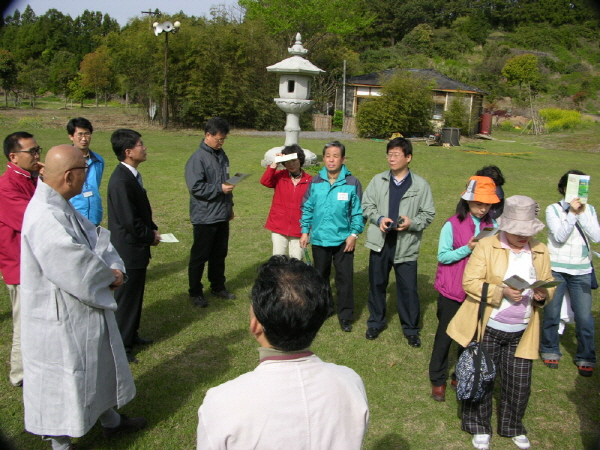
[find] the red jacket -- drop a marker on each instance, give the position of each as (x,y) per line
(284,217)
(16,189)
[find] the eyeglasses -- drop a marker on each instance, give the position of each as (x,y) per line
(219,140)
(87,134)
(84,168)
(32,151)
(395,155)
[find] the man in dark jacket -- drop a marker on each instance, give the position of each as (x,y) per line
(211,209)
(132,232)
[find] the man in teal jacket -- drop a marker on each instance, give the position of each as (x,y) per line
(398,205)
(332,214)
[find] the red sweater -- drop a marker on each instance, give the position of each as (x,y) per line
(16,189)
(284,217)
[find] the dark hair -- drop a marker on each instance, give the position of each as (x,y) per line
(290,299)
(492,172)
(294,148)
(11,142)
(216,125)
(123,139)
(463,211)
(337,144)
(402,143)
(562,183)
(79,122)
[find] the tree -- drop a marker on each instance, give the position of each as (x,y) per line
(8,72)
(33,78)
(405,106)
(522,69)
(96,73)
(63,69)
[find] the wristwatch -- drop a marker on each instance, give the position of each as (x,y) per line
(354,235)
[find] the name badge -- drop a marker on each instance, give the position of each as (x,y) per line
(343,196)
(88,194)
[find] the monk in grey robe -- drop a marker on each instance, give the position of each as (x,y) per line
(75,369)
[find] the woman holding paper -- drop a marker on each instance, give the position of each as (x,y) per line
(571,226)
(511,335)
(284,217)
(457,241)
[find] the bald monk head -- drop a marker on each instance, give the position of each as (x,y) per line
(65,170)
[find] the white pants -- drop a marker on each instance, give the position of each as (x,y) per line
(282,243)
(16,363)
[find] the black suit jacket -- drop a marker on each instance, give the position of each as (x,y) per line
(130,219)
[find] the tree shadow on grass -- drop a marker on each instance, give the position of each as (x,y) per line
(391,441)
(584,391)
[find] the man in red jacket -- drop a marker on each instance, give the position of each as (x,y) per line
(17,186)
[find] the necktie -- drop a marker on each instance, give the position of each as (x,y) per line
(138,177)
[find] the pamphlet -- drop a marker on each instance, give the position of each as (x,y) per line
(284,158)
(518,283)
(486,232)
(168,237)
(577,186)
(237,178)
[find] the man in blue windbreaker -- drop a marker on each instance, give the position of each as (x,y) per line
(332,215)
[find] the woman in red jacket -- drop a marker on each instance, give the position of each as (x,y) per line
(284,218)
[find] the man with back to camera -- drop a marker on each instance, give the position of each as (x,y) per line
(17,186)
(293,399)
(88,202)
(398,206)
(75,369)
(211,209)
(132,232)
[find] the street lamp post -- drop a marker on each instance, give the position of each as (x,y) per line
(167,27)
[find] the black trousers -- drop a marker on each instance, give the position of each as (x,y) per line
(344,275)
(407,296)
(129,298)
(210,245)
(438,365)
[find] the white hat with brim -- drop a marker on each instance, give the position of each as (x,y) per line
(520,216)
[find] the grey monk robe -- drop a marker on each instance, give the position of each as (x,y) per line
(73,357)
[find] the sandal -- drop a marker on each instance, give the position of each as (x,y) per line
(551,363)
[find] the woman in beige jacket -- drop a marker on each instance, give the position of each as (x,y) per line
(511,336)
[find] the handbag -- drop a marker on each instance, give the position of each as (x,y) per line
(593,280)
(475,370)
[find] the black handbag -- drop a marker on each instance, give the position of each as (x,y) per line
(475,370)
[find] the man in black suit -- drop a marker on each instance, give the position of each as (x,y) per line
(132,232)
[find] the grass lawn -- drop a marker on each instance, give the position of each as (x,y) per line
(196,349)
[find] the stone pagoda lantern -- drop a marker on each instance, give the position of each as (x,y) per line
(296,74)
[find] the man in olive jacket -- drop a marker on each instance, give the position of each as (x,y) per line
(398,206)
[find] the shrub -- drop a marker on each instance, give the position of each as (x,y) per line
(507,126)
(338,119)
(26,123)
(557,119)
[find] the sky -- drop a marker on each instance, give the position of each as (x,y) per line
(120,10)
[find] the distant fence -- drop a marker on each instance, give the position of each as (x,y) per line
(349,125)
(322,122)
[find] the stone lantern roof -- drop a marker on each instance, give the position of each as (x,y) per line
(296,63)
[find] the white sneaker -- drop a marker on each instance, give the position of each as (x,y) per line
(521,441)
(481,441)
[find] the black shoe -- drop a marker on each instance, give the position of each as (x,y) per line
(199,301)
(127,425)
(130,358)
(414,341)
(373,333)
(346,325)
(141,341)
(224,294)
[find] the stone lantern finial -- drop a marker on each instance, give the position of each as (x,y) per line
(297,48)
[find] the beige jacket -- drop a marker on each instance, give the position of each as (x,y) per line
(489,263)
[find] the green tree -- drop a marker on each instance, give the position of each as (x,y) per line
(8,73)
(522,69)
(33,78)
(96,73)
(63,68)
(405,106)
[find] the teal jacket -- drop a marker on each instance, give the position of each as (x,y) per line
(332,212)
(416,204)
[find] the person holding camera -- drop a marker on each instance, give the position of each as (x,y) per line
(398,206)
